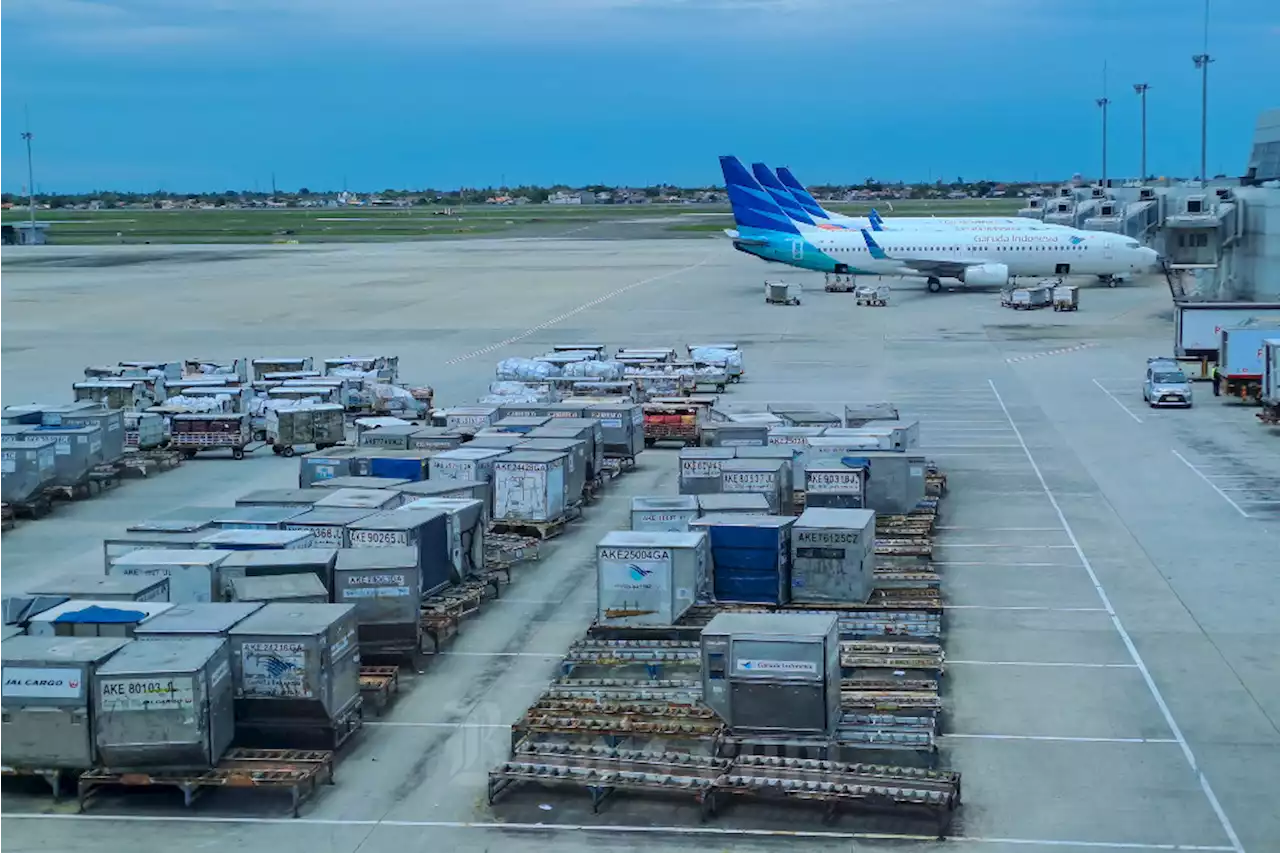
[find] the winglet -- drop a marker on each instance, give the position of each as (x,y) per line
(873,247)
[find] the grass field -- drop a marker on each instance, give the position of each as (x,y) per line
(79,227)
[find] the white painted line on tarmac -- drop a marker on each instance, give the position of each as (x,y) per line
(1116,400)
(1138,661)
(1055,738)
(1030,607)
(547,655)
(1002,529)
(566,315)
(1006,565)
(387,724)
(1034,663)
(1212,484)
(552,828)
(995,545)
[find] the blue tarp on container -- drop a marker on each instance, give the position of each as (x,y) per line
(410,468)
(99,615)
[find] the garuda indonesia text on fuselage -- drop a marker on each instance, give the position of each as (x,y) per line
(977,257)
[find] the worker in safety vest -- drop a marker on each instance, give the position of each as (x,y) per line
(1217,382)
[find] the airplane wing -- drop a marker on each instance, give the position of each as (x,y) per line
(924,266)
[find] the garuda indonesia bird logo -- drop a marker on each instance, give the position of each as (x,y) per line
(1076,241)
(637,573)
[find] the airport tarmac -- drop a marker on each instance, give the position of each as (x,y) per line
(1113,678)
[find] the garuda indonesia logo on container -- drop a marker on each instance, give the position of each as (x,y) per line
(637,573)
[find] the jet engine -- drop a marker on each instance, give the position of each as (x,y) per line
(986,275)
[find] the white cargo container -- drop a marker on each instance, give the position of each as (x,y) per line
(194,575)
(700,469)
(529,485)
(469,418)
(117,546)
(249,540)
(663,514)
(81,617)
(465,463)
(832,556)
(835,486)
(829,450)
(328,524)
(757,476)
(650,578)
(375,500)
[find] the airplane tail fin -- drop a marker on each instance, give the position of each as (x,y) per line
(753,206)
(801,195)
(872,246)
(876,219)
(780,193)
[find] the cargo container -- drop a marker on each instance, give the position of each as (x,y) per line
(735,435)
(829,450)
(521,425)
(29,467)
(663,514)
(19,609)
(131,395)
(554,411)
(833,556)
(191,621)
(256,517)
(796,438)
(117,546)
(318,424)
(389,437)
(750,557)
(373,422)
(355,482)
(733,504)
(411,465)
(465,463)
(895,482)
(789,455)
(316,562)
(773,674)
(466,532)
(328,524)
(861,414)
(497,440)
(326,465)
(109,421)
(581,429)
(530,486)
(85,617)
(145,430)
(467,418)
(288,589)
(623,427)
(304,498)
(768,477)
(385,586)
(575,467)
(797,418)
(104,587)
(194,575)
(700,469)
(164,704)
(650,578)
(181,520)
(423,529)
(435,438)
(835,486)
(260,367)
(78,450)
(889,435)
(371,499)
(249,540)
(296,670)
(48,713)
(446,488)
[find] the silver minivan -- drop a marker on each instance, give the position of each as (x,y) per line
(1166,384)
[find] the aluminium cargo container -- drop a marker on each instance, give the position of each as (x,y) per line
(530,486)
(895,482)
(861,414)
(164,704)
(296,671)
(768,477)
(319,424)
(497,440)
(466,532)
(832,556)
(465,463)
(304,498)
(393,464)
(192,621)
(328,524)
(128,394)
(750,557)
(735,435)
(519,424)
(29,467)
(740,503)
(145,430)
(355,482)
(109,421)
(426,530)
(289,589)
(78,450)
(48,713)
(581,429)
(326,465)
(104,587)
(315,562)
(700,469)
(194,575)
(255,517)
(789,455)
(85,617)
(552,411)
(623,427)
(576,465)
(435,438)
(249,540)
(650,577)
(467,418)
(385,587)
(394,437)
(181,520)
(19,609)
(663,514)
(116,547)
(835,486)
(371,499)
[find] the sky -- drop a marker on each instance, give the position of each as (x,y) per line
(210,95)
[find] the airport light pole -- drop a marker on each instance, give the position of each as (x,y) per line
(1103,102)
(1202,61)
(1141,89)
(31,184)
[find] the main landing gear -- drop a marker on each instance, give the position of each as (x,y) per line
(934,283)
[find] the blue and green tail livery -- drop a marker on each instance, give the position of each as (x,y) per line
(753,206)
(800,194)
(780,194)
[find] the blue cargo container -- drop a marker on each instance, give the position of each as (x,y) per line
(408,467)
(750,556)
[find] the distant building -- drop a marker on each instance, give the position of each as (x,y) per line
(572,197)
(24,234)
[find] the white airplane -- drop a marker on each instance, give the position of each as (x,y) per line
(785,188)
(980,258)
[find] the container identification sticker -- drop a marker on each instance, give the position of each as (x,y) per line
(787,439)
(8,462)
(610,423)
(777,666)
(324,535)
(835,481)
(274,669)
(147,694)
(378,538)
(223,670)
(32,682)
(700,468)
(747,481)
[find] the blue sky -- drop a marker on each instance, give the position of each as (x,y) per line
(218,94)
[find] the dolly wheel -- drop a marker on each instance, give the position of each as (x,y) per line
(237,453)
(288,450)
